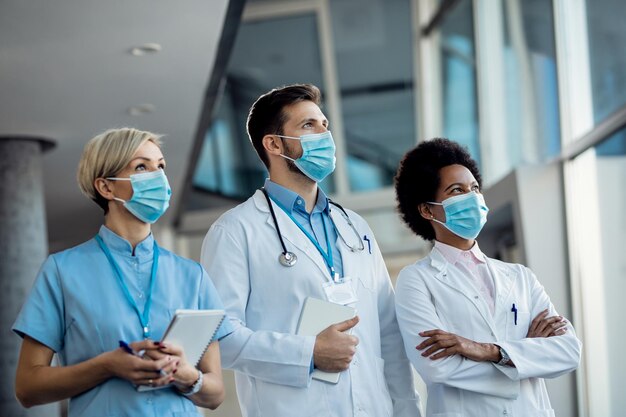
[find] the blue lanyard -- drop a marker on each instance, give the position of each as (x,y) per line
(144,318)
(328,256)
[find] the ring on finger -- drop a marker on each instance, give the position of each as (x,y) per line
(150,382)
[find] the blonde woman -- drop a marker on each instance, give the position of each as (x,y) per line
(117,287)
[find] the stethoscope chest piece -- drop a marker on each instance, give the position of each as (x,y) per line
(287,259)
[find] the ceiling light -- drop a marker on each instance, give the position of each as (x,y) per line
(141,109)
(145,49)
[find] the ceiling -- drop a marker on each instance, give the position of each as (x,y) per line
(67,74)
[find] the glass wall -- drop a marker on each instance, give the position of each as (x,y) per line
(369,65)
(607,37)
(268,53)
(532,128)
(374,53)
(597,196)
(458,78)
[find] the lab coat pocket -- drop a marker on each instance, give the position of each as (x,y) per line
(365,282)
(519,330)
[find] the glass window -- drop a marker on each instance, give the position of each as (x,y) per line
(458,63)
(374,56)
(533,132)
(267,53)
(607,36)
(611,176)
(597,193)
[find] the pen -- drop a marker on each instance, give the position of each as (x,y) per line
(514,310)
(130,350)
(369,245)
(140,354)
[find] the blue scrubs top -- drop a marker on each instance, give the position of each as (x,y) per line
(78,309)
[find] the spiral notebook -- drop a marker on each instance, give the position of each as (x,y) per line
(193,330)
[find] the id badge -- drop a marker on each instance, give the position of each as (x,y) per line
(340,292)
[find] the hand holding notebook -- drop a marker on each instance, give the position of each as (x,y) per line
(193,331)
(317,315)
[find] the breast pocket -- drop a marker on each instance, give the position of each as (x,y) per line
(516,330)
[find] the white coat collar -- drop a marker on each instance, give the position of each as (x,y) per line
(503,278)
(291,233)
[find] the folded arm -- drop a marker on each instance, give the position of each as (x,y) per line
(416,314)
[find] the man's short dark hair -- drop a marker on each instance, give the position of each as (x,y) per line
(267,115)
(418,179)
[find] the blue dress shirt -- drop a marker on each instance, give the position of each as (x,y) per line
(313,223)
(78,309)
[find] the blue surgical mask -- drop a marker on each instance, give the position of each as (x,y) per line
(318,155)
(466,214)
(151,195)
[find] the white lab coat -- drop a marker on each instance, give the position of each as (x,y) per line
(263,300)
(434,294)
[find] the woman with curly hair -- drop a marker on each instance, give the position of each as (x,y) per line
(482,333)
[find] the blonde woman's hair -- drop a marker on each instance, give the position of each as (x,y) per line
(107,154)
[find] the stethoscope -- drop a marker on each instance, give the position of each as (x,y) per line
(287,258)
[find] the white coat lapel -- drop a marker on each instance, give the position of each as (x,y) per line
(449,275)
(503,280)
(291,233)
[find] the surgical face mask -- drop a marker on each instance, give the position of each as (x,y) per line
(151,195)
(466,214)
(318,155)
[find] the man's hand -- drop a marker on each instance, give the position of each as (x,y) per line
(543,326)
(449,344)
(334,349)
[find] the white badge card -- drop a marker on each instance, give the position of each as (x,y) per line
(340,292)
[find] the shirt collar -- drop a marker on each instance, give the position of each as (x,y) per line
(119,245)
(292,201)
(453,254)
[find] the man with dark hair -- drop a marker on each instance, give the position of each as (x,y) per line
(288,243)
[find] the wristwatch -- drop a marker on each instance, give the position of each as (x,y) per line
(196,387)
(505,357)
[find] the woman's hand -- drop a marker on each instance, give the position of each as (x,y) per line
(543,326)
(184,374)
(449,344)
(151,369)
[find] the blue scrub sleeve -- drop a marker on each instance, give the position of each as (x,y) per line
(210,299)
(42,315)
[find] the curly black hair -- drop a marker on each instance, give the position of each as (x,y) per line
(417,179)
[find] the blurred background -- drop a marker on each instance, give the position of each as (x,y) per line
(536,90)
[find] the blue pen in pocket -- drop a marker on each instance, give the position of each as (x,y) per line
(514,310)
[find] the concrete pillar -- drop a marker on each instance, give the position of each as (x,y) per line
(23,248)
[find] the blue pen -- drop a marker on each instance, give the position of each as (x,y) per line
(369,245)
(126,348)
(514,310)
(130,350)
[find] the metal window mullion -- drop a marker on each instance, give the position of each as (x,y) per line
(576,110)
(333,97)
(490,86)
(574,74)
(427,73)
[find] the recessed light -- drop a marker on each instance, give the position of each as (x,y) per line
(141,109)
(145,49)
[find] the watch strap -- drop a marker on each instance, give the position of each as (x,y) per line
(196,387)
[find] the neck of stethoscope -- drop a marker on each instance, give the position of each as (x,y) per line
(280,236)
